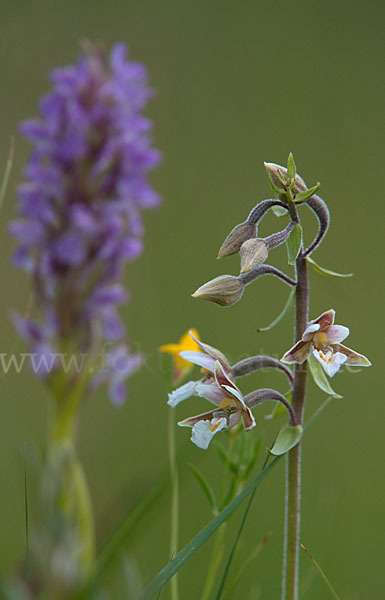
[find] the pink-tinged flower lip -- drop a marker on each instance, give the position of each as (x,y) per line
(204,431)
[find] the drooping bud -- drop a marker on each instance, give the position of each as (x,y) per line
(278,176)
(224,290)
(253,253)
(240,234)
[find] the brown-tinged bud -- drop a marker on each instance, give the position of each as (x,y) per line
(279,179)
(253,253)
(235,239)
(225,290)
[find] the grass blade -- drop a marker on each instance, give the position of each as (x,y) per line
(321,572)
(195,544)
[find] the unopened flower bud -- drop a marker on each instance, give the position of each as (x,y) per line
(225,290)
(279,179)
(235,239)
(253,253)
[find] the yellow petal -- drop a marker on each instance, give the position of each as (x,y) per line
(170,349)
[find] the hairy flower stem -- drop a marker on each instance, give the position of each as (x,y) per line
(293,460)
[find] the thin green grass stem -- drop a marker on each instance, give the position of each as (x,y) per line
(174,499)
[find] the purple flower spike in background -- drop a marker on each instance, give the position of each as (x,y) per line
(80,205)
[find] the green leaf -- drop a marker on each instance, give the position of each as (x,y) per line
(291,168)
(206,487)
(294,244)
(306,194)
(287,438)
(279,211)
(289,302)
(320,378)
(324,271)
(195,544)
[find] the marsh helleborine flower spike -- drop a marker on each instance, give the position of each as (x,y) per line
(85,186)
(187,343)
(216,386)
(323,339)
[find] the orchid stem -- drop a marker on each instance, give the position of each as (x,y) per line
(174,500)
(293,460)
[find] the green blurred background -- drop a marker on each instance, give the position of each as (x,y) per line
(237,84)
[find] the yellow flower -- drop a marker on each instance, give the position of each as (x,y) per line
(186,343)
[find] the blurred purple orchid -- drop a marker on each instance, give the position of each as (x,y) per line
(323,340)
(86,183)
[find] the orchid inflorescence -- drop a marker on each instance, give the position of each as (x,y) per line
(80,210)
(319,340)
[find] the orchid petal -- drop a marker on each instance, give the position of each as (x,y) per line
(211,351)
(204,431)
(211,414)
(221,376)
(210,392)
(353,358)
(235,393)
(181,393)
(309,331)
(330,361)
(326,319)
(337,333)
(200,359)
(298,353)
(248,419)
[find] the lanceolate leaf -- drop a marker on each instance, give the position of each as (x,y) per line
(291,168)
(324,271)
(281,314)
(294,243)
(287,438)
(306,194)
(320,378)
